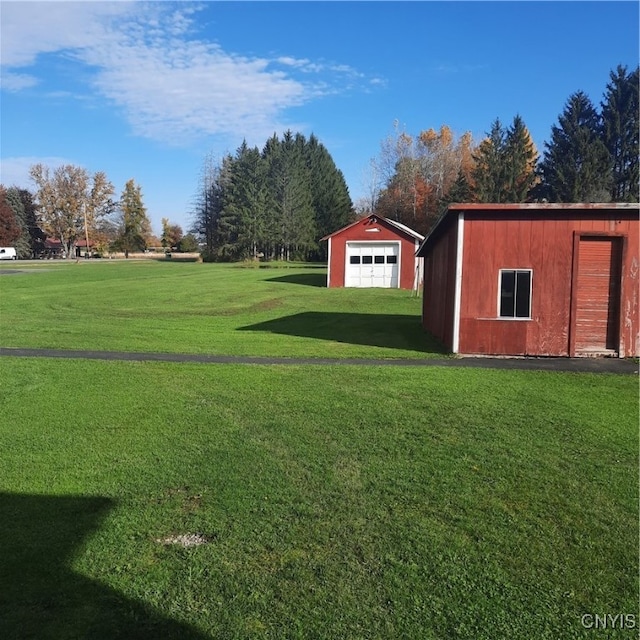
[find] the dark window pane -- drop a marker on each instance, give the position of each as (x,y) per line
(507,294)
(378,259)
(367,259)
(523,290)
(354,259)
(392,259)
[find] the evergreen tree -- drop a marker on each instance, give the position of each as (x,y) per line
(290,197)
(22,243)
(276,203)
(245,203)
(489,174)
(520,163)
(460,191)
(36,235)
(576,163)
(209,206)
(505,169)
(620,115)
(135,226)
(332,205)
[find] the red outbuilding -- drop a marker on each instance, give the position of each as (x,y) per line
(534,279)
(374,252)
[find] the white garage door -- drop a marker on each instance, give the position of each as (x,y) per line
(372,264)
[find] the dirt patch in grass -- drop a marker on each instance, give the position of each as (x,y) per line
(184,540)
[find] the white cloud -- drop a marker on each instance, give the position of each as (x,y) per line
(33,28)
(16,81)
(169,85)
(14,172)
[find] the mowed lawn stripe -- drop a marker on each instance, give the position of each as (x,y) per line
(222,309)
(344,501)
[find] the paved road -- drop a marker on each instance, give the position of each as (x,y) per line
(584,365)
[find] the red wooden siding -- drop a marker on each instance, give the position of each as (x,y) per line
(548,241)
(439,287)
(363,232)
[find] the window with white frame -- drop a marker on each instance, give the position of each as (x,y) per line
(515,293)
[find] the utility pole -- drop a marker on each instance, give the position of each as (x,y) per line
(86,227)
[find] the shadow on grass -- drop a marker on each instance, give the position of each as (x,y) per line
(308,279)
(43,598)
(375,330)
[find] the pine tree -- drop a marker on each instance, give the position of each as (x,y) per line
(331,203)
(36,235)
(209,205)
(135,226)
(576,163)
(519,163)
(276,203)
(489,174)
(245,203)
(461,191)
(620,115)
(290,202)
(505,169)
(22,243)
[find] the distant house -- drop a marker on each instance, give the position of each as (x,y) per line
(52,249)
(534,279)
(373,252)
(81,248)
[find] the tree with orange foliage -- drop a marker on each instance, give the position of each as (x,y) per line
(425,168)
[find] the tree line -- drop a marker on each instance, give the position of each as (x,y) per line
(592,156)
(279,202)
(274,203)
(71,206)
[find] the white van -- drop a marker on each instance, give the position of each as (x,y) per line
(8,253)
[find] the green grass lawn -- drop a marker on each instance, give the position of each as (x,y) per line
(206,308)
(335,501)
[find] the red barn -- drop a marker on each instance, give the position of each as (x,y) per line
(374,252)
(534,279)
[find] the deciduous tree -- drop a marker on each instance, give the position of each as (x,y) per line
(425,169)
(10,229)
(171,234)
(70,201)
(61,196)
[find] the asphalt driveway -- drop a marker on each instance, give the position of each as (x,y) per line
(580,365)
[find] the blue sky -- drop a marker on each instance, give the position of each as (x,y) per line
(145,90)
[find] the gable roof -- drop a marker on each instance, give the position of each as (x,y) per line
(376,218)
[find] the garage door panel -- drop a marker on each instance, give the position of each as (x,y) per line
(597,299)
(372,265)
